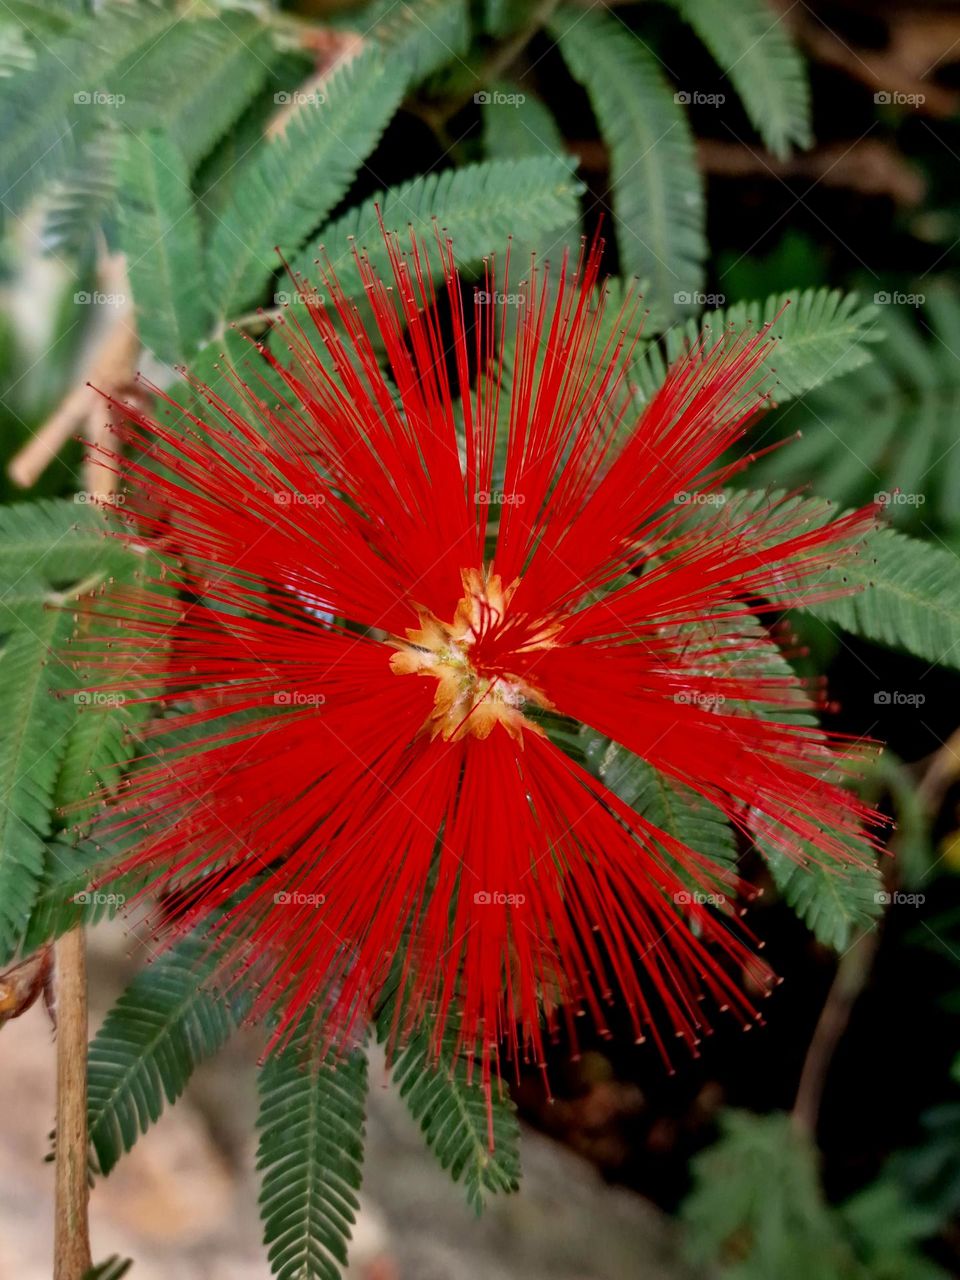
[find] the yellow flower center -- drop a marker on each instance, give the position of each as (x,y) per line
(470,701)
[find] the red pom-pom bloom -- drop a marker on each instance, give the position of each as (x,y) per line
(389,597)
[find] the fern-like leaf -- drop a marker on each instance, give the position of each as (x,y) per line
(820,334)
(423,34)
(755,52)
(451,1108)
(833,902)
(889,428)
(194,83)
(33,737)
(291,182)
(533,199)
(669,805)
(50,109)
(656,188)
(160,234)
(159,1030)
(310,1158)
(904,593)
(519,127)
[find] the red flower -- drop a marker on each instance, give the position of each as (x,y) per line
(377,667)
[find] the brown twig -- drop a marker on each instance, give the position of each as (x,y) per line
(851,977)
(71,1241)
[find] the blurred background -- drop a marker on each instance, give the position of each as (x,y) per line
(827,1142)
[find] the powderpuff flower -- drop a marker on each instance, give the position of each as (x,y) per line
(427,548)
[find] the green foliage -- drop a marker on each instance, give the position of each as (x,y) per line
(423,34)
(159,1030)
(888,427)
(48,108)
(913,601)
(33,736)
(480,205)
(310,1157)
(821,334)
(291,182)
(160,234)
(195,82)
(112,1269)
(833,903)
(656,188)
(444,1096)
(750,42)
(524,128)
(669,805)
(757,1210)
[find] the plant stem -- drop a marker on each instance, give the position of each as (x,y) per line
(71,1229)
(851,977)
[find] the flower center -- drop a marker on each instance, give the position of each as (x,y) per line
(472,696)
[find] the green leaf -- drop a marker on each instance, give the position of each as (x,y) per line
(517,123)
(51,545)
(890,427)
(49,109)
(757,1208)
(534,199)
(909,591)
(821,334)
(291,182)
(160,234)
(194,83)
(310,1158)
(669,805)
(159,1030)
(33,737)
(753,48)
(656,187)
(424,34)
(112,1269)
(834,902)
(453,1115)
